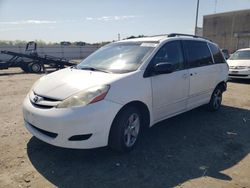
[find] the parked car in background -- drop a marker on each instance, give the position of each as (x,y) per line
(239,64)
(225,52)
(125,86)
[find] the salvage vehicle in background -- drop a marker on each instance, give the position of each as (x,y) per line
(124,87)
(31,61)
(239,64)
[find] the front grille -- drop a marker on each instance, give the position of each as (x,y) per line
(49,99)
(41,106)
(237,67)
(239,75)
(43,102)
(47,133)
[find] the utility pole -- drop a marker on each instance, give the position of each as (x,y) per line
(119,37)
(197,15)
(215,6)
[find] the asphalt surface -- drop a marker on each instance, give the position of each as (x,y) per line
(196,149)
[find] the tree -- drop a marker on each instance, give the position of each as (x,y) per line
(132,36)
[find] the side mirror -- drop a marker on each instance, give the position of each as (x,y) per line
(163,68)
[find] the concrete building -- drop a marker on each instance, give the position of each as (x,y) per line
(231,30)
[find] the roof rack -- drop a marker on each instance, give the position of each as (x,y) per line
(187,35)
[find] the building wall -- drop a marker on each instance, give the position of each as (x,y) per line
(230,30)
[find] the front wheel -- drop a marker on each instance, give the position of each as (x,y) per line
(125,130)
(216,99)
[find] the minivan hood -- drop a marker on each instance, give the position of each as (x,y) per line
(66,82)
(238,62)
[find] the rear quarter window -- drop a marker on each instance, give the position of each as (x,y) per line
(217,55)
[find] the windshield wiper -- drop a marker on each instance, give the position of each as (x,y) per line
(93,69)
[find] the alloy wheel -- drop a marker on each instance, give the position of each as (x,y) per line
(131,131)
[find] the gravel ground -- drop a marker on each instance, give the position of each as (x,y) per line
(195,149)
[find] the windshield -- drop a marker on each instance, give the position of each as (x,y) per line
(118,57)
(241,55)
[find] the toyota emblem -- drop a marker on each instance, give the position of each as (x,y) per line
(35,99)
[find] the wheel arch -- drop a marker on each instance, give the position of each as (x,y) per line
(143,109)
(222,85)
(145,114)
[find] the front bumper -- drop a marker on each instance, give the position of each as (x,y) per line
(57,126)
(239,73)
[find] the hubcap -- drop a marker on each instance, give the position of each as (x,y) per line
(132,130)
(217,99)
(36,67)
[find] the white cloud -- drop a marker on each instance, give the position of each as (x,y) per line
(111,18)
(89,18)
(39,22)
(23,22)
(11,29)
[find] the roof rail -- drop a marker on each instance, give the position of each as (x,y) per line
(159,35)
(187,35)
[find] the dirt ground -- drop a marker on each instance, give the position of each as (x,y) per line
(195,149)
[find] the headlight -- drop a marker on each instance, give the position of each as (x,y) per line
(83,98)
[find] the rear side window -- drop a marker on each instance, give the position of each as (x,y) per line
(218,57)
(198,53)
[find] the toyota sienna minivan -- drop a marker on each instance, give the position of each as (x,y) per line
(123,87)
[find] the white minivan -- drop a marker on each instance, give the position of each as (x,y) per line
(124,87)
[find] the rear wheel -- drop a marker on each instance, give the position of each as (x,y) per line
(125,130)
(35,67)
(216,99)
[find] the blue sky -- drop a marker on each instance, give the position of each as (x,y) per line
(96,20)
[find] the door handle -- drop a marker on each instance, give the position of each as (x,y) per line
(185,76)
(192,74)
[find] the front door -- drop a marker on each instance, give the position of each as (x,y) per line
(170,91)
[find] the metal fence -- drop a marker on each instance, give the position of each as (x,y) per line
(67,52)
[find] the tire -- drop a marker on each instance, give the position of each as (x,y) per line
(125,130)
(216,99)
(35,67)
